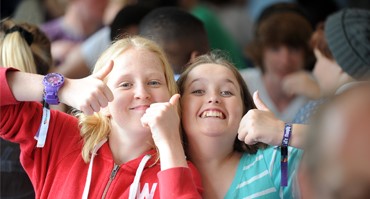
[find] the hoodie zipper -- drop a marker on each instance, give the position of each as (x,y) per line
(111,177)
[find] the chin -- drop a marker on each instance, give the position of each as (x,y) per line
(213,132)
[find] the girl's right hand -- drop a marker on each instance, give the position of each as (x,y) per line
(164,123)
(88,94)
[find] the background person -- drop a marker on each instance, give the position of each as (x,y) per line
(181,35)
(26,46)
(280,48)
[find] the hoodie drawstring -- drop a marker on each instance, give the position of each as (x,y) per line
(134,186)
(88,178)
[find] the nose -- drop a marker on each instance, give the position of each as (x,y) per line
(214,99)
(285,55)
(141,92)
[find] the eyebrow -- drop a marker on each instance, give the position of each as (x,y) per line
(203,79)
(150,75)
(197,79)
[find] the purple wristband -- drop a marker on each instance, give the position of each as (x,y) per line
(287,133)
(284,154)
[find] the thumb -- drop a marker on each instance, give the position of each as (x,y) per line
(258,102)
(103,72)
(175,99)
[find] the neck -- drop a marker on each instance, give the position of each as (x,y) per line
(208,149)
(214,155)
(126,146)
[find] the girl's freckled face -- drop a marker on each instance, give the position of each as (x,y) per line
(136,80)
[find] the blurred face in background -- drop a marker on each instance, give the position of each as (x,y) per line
(282,60)
(94,9)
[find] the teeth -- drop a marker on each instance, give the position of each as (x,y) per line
(216,114)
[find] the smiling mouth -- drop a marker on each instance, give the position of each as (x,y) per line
(213,114)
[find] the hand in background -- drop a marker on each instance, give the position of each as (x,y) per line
(301,83)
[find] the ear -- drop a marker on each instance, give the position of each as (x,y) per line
(193,55)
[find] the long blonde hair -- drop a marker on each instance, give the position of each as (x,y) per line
(96,127)
(16,52)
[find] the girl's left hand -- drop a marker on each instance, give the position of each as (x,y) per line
(260,125)
(163,121)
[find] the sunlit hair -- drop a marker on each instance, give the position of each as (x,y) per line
(219,58)
(17,53)
(96,127)
(318,41)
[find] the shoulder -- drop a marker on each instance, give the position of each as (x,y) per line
(64,124)
(62,116)
(253,177)
(272,152)
(194,170)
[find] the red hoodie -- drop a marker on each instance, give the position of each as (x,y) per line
(58,171)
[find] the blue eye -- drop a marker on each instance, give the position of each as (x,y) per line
(126,85)
(198,92)
(226,93)
(154,83)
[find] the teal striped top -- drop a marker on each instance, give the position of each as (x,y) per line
(258,175)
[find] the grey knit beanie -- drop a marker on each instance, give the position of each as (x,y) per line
(348,35)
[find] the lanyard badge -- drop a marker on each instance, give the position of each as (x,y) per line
(44,126)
